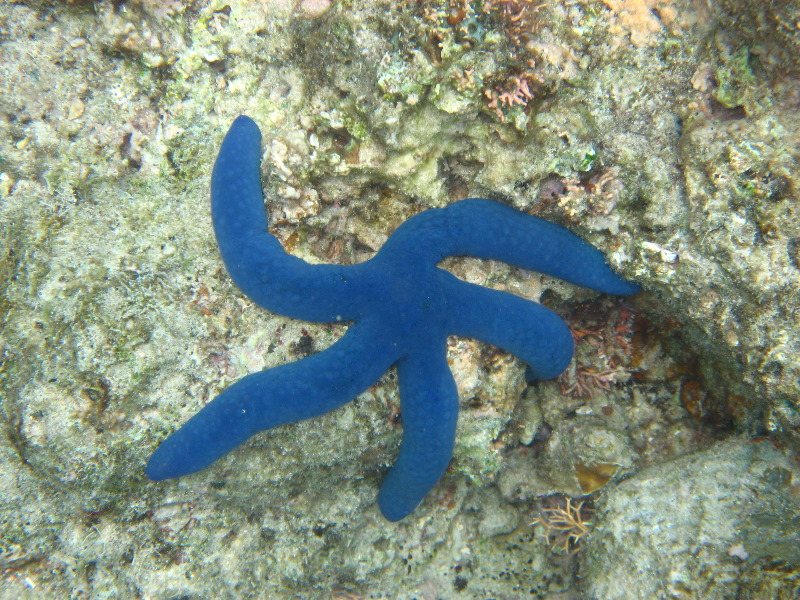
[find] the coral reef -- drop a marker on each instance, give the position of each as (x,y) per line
(770,27)
(662,130)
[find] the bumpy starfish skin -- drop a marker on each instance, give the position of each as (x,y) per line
(402,307)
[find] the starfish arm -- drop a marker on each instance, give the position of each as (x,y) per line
(526,329)
(255,259)
(489,229)
(284,394)
(429,408)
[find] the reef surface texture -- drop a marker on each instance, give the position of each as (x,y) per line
(664,132)
(700,507)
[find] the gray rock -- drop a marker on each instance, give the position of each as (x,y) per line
(701,526)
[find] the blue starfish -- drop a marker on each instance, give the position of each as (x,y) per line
(402,307)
